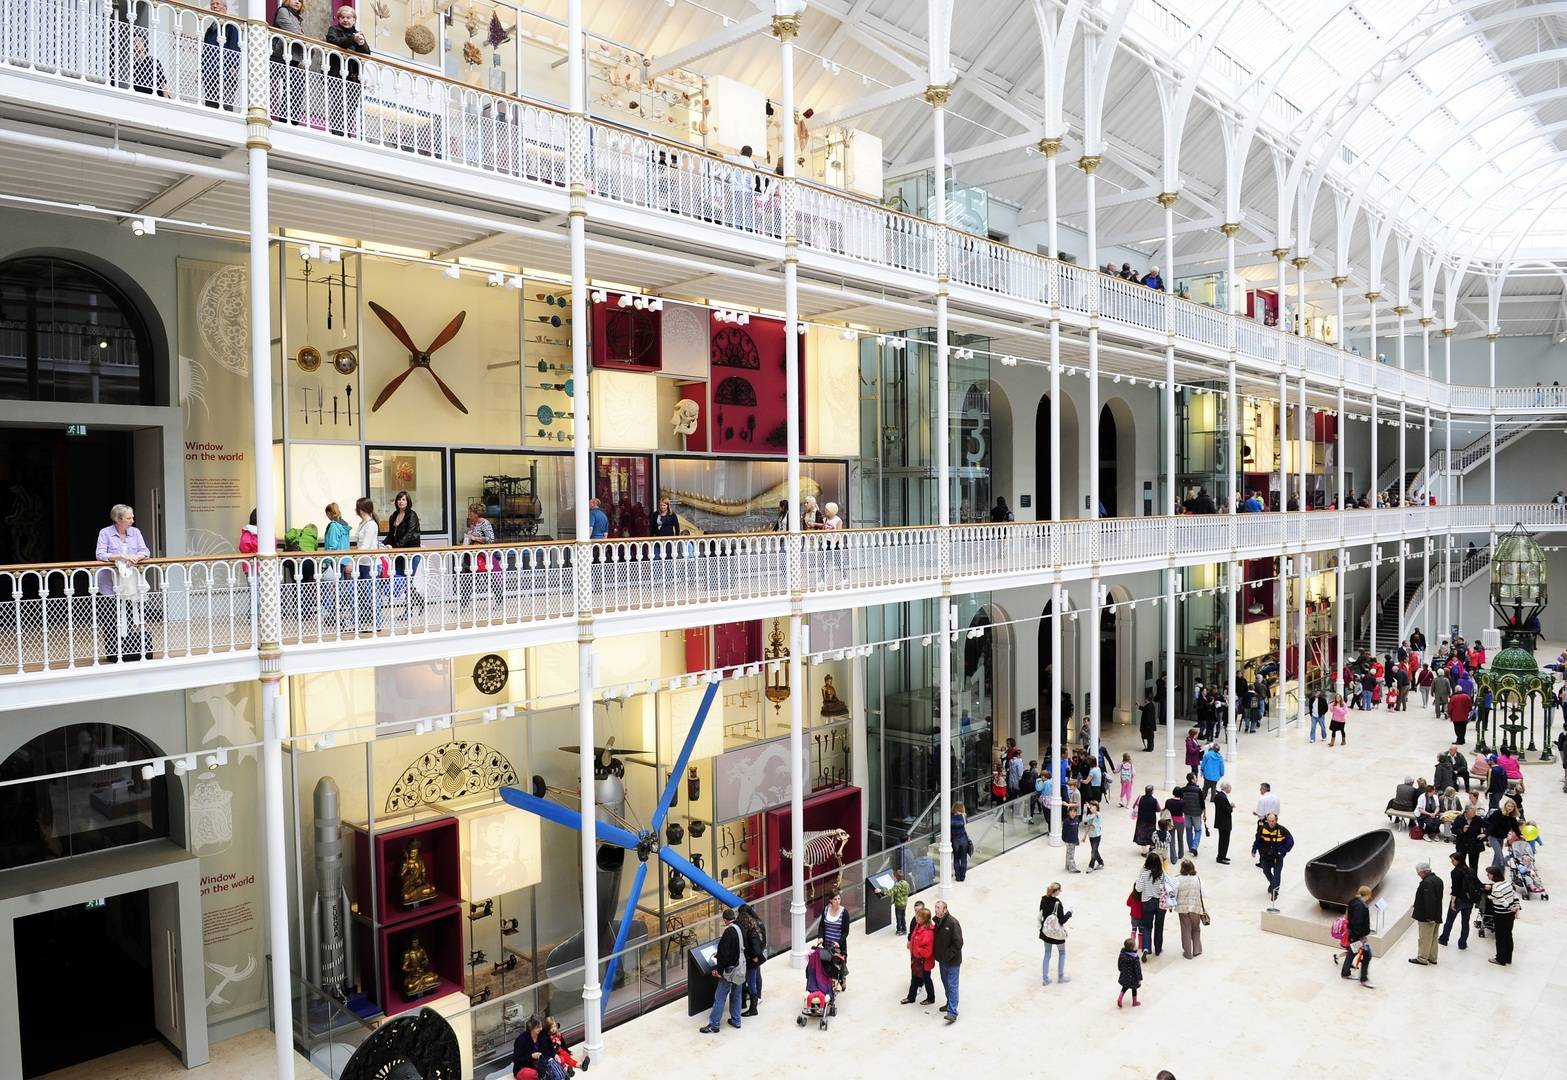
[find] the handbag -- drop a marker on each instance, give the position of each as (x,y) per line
(1203,900)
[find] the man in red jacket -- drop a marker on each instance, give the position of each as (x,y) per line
(1459,706)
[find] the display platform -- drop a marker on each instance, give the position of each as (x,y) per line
(1300,916)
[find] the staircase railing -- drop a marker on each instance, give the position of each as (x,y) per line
(1465,459)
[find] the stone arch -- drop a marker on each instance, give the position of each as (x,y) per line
(1117,434)
(1070,451)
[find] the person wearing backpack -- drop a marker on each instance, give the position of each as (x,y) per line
(1053,917)
(1464,893)
(729,971)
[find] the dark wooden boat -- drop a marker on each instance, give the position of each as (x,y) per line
(1334,876)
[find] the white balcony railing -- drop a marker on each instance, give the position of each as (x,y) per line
(69,617)
(193,57)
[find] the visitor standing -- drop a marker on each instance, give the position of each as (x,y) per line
(729,971)
(1149,888)
(1500,825)
(834,929)
(1093,826)
(1464,890)
(1196,810)
(1130,969)
(1459,706)
(1267,802)
(962,846)
(922,956)
(949,957)
(1223,821)
(1053,917)
(1273,843)
(1319,715)
(754,939)
(898,896)
(1504,903)
(1358,930)
(1148,722)
(1337,714)
(1469,835)
(1193,750)
(1212,770)
(1427,913)
(1190,908)
(1128,773)
(1147,818)
(1441,690)
(1069,838)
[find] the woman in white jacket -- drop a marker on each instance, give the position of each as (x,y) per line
(1190,907)
(367,538)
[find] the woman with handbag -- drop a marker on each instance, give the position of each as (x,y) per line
(1150,890)
(1191,909)
(1053,917)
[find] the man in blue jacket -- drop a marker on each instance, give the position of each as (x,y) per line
(1212,769)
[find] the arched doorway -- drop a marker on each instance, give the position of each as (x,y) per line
(989,674)
(1117,434)
(1118,681)
(1070,502)
(74,336)
(1069,685)
(128,906)
(983,451)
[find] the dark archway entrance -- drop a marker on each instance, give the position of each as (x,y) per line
(1109,442)
(1042,461)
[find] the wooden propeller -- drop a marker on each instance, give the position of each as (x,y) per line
(417,357)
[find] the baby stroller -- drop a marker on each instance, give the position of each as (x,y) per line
(824,975)
(1523,872)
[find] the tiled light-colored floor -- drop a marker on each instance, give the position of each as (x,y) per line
(1253,1005)
(244,1057)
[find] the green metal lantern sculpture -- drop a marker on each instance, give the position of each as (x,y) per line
(1520,697)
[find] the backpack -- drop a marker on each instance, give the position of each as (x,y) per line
(1474,892)
(1340,930)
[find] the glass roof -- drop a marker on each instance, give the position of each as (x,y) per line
(1440,130)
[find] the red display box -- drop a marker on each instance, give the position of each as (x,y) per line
(440,932)
(440,849)
(626,338)
(835,809)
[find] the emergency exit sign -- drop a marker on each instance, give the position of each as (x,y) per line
(77,430)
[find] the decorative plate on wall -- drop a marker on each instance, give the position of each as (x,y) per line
(308,358)
(490,673)
(346,361)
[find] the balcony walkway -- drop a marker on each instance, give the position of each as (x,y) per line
(62,622)
(402,124)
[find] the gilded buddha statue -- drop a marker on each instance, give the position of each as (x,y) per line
(417,977)
(415,880)
(832,705)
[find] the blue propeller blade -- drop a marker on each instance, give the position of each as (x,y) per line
(668,798)
(698,877)
(624,932)
(563,815)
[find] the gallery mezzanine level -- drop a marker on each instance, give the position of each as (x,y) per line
(661,215)
(203,612)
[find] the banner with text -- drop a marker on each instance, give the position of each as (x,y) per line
(214,349)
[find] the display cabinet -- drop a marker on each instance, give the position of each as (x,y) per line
(438,853)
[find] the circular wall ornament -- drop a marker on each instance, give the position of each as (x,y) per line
(308,358)
(490,673)
(346,361)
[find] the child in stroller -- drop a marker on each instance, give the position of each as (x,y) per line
(1523,872)
(824,974)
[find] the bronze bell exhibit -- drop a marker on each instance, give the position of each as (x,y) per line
(1519,719)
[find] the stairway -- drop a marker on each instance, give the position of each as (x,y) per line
(1387,620)
(1465,460)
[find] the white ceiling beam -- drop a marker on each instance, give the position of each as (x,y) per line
(1155,234)
(731,34)
(187,190)
(979,152)
(868,103)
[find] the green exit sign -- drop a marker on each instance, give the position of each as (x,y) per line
(94,904)
(77,430)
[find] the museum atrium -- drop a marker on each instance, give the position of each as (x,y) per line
(968,391)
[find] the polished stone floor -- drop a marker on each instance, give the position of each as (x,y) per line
(1254,1004)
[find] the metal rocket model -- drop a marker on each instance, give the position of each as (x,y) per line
(330,956)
